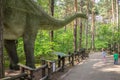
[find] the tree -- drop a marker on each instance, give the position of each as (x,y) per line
(80,33)
(1,41)
(86,43)
(52,13)
(93,26)
(117,22)
(75,28)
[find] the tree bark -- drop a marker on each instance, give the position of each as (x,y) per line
(52,13)
(75,28)
(86,42)
(93,27)
(113,12)
(80,37)
(1,41)
(117,22)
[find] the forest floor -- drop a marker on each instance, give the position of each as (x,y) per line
(94,68)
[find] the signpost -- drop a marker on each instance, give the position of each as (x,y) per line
(1,41)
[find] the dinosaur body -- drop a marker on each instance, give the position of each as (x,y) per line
(23,18)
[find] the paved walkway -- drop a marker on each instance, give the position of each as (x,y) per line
(94,69)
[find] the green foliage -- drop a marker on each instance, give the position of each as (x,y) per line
(20,47)
(106,35)
(62,42)
(43,44)
(106,8)
(102,36)
(64,39)
(44,4)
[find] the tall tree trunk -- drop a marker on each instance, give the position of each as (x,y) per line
(113,22)
(80,38)
(113,12)
(66,11)
(117,22)
(75,28)
(86,42)
(93,26)
(52,13)
(1,41)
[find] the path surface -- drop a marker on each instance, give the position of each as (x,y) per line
(94,69)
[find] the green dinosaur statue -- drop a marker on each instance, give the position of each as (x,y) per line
(23,18)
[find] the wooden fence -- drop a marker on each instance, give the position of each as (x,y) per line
(49,67)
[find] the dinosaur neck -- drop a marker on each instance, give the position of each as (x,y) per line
(53,24)
(69,19)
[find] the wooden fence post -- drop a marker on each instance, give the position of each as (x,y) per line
(69,58)
(63,63)
(49,69)
(59,61)
(78,56)
(1,40)
(72,59)
(43,70)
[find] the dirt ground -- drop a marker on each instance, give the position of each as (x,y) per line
(94,69)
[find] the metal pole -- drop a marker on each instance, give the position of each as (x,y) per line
(1,41)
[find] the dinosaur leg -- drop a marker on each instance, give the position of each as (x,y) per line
(29,36)
(10,46)
(29,41)
(29,50)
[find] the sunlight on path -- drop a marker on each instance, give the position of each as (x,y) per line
(94,69)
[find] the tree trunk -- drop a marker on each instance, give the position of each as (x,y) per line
(93,27)
(80,38)
(52,13)
(86,42)
(117,22)
(113,12)
(1,41)
(66,11)
(119,25)
(75,28)
(112,21)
